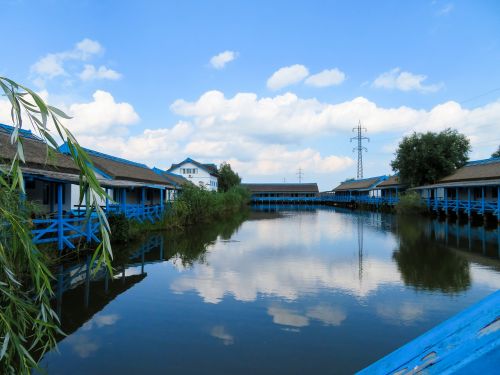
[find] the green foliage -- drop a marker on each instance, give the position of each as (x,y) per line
(424,264)
(496,154)
(410,203)
(196,205)
(120,228)
(227,177)
(27,322)
(425,158)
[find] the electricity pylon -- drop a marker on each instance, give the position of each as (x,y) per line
(359,138)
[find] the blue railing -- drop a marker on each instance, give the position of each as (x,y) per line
(466,206)
(74,225)
(329,198)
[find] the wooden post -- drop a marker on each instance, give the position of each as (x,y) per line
(457,192)
(107,201)
(482,200)
(446,201)
(161,199)
(124,200)
(143,204)
(468,202)
(498,208)
(60,224)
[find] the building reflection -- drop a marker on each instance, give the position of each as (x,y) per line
(81,291)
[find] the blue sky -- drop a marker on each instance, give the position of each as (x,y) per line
(139,81)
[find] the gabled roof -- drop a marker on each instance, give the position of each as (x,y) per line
(35,152)
(282,188)
(174,179)
(476,170)
(210,168)
(120,169)
(391,182)
(361,184)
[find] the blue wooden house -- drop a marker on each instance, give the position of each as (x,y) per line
(52,184)
(283,193)
(177,181)
(137,191)
(358,191)
(472,189)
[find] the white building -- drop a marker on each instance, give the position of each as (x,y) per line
(203,175)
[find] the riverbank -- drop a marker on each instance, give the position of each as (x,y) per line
(194,206)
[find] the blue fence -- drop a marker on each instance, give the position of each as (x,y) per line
(466,206)
(64,229)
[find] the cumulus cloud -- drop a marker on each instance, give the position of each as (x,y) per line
(100,115)
(54,64)
(289,270)
(405,81)
(287,76)
(219,61)
(331,77)
(90,72)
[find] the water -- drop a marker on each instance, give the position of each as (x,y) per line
(286,290)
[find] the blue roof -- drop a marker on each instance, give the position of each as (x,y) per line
(64,148)
(483,161)
(23,132)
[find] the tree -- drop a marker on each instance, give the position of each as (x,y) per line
(426,158)
(227,177)
(496,154)
(27,322)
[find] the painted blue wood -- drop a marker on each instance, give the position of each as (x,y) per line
(464,344)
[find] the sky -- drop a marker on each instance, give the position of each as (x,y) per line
(269,87)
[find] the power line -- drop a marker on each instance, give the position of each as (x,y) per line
(360,148)
(300,174)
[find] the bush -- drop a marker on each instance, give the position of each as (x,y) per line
(120,228)
(410,203)
(196,205)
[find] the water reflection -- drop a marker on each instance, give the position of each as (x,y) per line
(280,289)
(425,263)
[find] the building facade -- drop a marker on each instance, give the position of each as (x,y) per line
(202,175)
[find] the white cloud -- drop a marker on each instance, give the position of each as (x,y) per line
(287,317)
(219,61)
(54,64)
(446,9)
(287,76)
(220,332)
(326,78)
(90,72)
(289,270)
(404,81)
(100,116)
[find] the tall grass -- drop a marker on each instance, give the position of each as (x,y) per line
(194,206)
(410,203)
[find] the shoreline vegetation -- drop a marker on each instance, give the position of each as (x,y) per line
(194,206)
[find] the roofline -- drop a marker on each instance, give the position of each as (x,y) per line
(482,161)
(23,132)
(378,181)
(200,165)
(65,149)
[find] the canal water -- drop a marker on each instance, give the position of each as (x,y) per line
(280,290)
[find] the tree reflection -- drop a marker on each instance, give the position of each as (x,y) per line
(190,246)
(424,263)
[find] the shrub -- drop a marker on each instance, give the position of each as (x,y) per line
(410,203)
(120,228)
